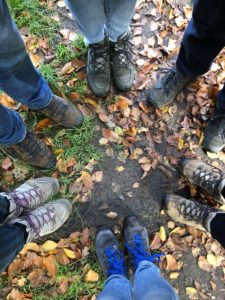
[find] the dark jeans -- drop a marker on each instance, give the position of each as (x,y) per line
(18,78)
(12,237)
(203,39)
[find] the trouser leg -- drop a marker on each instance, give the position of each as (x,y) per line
(203,39)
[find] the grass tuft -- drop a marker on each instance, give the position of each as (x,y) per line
(33,15)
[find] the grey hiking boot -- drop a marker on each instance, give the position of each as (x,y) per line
(137,242)
(30,195)
(98,68)
(63,112)
(189,212)
(45,219)
(33,151)
(214,134)
(122,66)
(111,258)
(209,178)
(167,88)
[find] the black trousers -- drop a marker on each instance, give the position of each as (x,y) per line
(12,237)
(203,39)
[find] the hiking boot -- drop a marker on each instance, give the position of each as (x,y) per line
(167,88)
(122,66)
(214,134)
(30,195)
(110,257)
(189,212)
(33,151)
(45,219)
(98,69)
(63,112)
(137,242)
(209,178)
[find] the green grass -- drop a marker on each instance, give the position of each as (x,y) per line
(81,48)
(33,15)
(77,142)
(49,73)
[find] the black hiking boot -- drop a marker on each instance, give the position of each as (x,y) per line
(63,112)
(33,151)
(137,242)
(214,134)
(167,88)
(209,178)
(98,68)
(110,257)
(189,212)
(122,66)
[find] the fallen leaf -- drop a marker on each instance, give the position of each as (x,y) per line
(91,276)
(97,176)
(112,215)
(162,234)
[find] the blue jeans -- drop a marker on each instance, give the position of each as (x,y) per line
(148,285)
(97,17)
(203,39)
(18,78)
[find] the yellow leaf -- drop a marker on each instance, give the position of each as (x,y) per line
(90,101)
(58,152)
(162,234)
(69,253)
(191,292)
(91,276)
(21,282)
(49,246)
(120,169)
(174,275)
(164,109)
(180,144)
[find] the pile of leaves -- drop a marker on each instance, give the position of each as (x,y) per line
(52,268)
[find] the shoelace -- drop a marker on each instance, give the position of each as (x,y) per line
(138,252)
(24,199)
(115,259)
(208,179)
(124,55)
(29,145)
(98,58)
(192,210)
(38,219)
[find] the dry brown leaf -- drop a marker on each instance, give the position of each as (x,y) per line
(97,176)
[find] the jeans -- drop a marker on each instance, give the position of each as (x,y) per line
(12,237)
(148,285)
(18,78)
(203,39)
(97,17)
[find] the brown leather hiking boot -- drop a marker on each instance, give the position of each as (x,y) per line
(33,151)
(63,112)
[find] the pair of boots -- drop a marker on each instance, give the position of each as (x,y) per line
(104,54)
(193,213)
(28,207)
(136,240)
(34,151)
(165,91)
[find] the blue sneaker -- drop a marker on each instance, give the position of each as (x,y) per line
(137,242)
(110,257)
